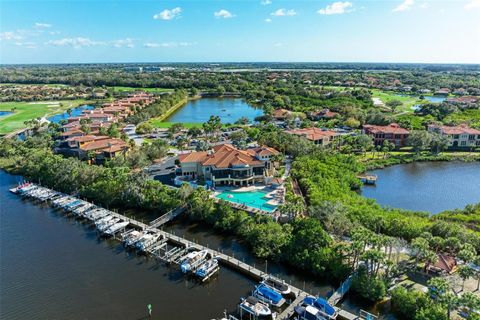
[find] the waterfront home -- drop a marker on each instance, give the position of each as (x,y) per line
(461,136)
(322,114)
(227,165)
(317,135)
(444,264)
(103,148)
(392,133)
(281,114)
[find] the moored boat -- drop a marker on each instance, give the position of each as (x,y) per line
(255,307)
(325,309)
(269,295)
(207,268)
(192,260)
(281,287)
(307,312)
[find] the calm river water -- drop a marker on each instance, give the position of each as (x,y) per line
(427,186)
(52,267)
(228,109)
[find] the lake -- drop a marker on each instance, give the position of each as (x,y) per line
(427,186)
(75,112)
(228,109)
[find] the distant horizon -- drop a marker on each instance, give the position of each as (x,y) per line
(353,31)
(244,62)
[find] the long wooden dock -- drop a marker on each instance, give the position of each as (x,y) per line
(226,260)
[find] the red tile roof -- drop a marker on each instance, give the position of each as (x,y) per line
(460,129)
(103,144)
(392,128)
(313,133)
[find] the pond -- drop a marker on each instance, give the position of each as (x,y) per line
(427,186)
(5,113)
(228,109)
(435,99)
(75,112)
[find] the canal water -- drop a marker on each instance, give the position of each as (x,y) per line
(427,186)
(75,112)
(52,267)
(228,109)
(55,268)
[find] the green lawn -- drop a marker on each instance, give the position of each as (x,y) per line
(161,124)
(25,111)
(408,101)
(125,89)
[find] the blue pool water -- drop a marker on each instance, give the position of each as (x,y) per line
(75,113)
(253,199)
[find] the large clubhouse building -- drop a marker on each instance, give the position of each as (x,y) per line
(227,165)
(460,136)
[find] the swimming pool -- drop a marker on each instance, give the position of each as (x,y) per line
(253,199)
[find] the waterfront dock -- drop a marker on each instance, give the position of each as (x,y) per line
(182,246)
(368,178)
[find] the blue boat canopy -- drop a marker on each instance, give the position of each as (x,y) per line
(269,293)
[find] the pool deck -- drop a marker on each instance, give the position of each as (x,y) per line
(271,194)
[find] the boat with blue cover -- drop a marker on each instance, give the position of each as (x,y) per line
(206,269)
(327,310)
(269,295)
(307,312)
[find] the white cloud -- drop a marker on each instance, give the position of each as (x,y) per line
(168,14)
(472,4)
(40,25)
(127,43)
(424,5)
(405,5)
(168,44)
(268,20)
(28,44)
(336,8)
(265,2)
(223,14)
(10,35)
(78,42)
(283,12)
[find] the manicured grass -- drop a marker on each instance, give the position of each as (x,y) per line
(160,124)
(25,111)
(123,89)
(408,101)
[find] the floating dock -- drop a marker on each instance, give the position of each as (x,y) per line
(183,246)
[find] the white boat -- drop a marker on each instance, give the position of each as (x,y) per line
(207,268)
(307,312)
(116,227)
(255,307)
(132,238)
(147,240)
(281,287)
(98,215)
(192,260)
(107,224)
(103,220)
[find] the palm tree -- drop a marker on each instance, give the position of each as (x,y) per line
(465,272)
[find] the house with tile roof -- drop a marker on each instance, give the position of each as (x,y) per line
(461,136)
(317,135)
(392,133)
(227,165)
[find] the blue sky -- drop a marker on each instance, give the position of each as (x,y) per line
(63,31)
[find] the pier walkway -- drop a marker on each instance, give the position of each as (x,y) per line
(172,214)
(223,259)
